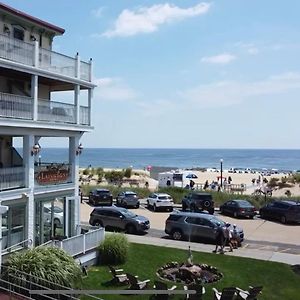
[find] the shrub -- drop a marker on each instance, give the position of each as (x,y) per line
(114,249)
(86,172)
(128,172)
(49,263)
(273,182)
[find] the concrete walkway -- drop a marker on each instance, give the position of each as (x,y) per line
(268,255)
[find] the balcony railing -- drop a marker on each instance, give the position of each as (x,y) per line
(12,178)
(46,174)
(52,111)
(24,53)
(15,106)
(21,107)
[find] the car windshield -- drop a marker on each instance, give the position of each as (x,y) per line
(57,209)
(217,221)
(103,192)
(164,197)
(130,194)
(202,197)
(244,203)
(127,213)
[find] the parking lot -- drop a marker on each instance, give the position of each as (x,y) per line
(259,233)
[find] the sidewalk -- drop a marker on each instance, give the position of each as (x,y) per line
(268,255)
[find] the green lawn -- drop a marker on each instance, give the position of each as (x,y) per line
(278,280)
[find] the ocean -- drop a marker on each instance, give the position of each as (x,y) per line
(180,158)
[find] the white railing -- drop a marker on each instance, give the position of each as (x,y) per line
(84,116)
(57,63)
(25,53)
(79,244)
(12,178)
(52,111)
(16,50)
(15,106)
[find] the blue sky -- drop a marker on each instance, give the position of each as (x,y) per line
(185,74)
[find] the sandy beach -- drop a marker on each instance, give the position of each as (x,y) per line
(141,177)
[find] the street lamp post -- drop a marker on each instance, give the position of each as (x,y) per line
(221,163)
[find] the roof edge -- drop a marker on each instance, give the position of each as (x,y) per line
(31,18)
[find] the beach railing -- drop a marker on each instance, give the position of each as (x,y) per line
(229,188)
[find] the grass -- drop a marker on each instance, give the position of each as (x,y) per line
(277,279)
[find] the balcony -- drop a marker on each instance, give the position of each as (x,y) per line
(21,107)
(26,53)
(12,178)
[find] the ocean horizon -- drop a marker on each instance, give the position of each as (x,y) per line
(140,158)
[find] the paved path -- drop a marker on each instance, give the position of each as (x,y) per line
(263,239)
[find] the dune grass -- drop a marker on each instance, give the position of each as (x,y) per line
(278,280)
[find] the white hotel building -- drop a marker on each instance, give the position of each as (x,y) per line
(42,198)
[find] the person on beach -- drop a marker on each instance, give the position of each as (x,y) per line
(146,184)
(205,185)
(219,239)
(229,179)
(192,183)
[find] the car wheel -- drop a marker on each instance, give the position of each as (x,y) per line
(57,222)
(148,204)
(184,207)
(193,208)
(137,206)
(98,223)
(262,215)
(171,209)
(154,207)
(211,211)
(235,214)
(177,234)
(283,219)
(130,229)
(222,211)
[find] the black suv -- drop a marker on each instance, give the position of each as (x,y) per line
(120,218)
(196,201)
(100,197)
(285,211)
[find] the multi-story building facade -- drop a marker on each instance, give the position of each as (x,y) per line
(42,198)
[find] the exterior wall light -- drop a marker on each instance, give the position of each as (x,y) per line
(79,149)
(35,149)
(32,37)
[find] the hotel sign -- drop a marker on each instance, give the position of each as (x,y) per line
(52,174)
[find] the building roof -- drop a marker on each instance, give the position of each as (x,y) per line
(30,18)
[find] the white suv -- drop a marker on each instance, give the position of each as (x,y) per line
(159,201)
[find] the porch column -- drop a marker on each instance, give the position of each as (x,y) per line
(76,103)
(28,143)
(74,162)
(90,96)
(34,95)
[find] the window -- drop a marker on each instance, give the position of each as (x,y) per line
(19,34)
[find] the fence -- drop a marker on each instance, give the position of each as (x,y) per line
(11,178)
(79,244)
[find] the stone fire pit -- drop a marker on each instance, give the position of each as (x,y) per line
(189,273)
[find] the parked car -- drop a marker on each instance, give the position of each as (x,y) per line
(100,197)
(128,198)
(183,225)
(238,208)
(196,201)
(58,215)
(160,201)
(283,210)
(120,218)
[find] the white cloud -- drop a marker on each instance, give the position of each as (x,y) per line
(223,59)
(250,48)
(98,12)
(226,93)
(113,89)
(148,19)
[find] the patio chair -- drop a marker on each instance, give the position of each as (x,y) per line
(158,285)
(200,290)
(252,294)
(227,293)
(118,278)
(136,284)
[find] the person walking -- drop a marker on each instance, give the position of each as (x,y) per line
(234,238)
(219,239)
(227,237)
